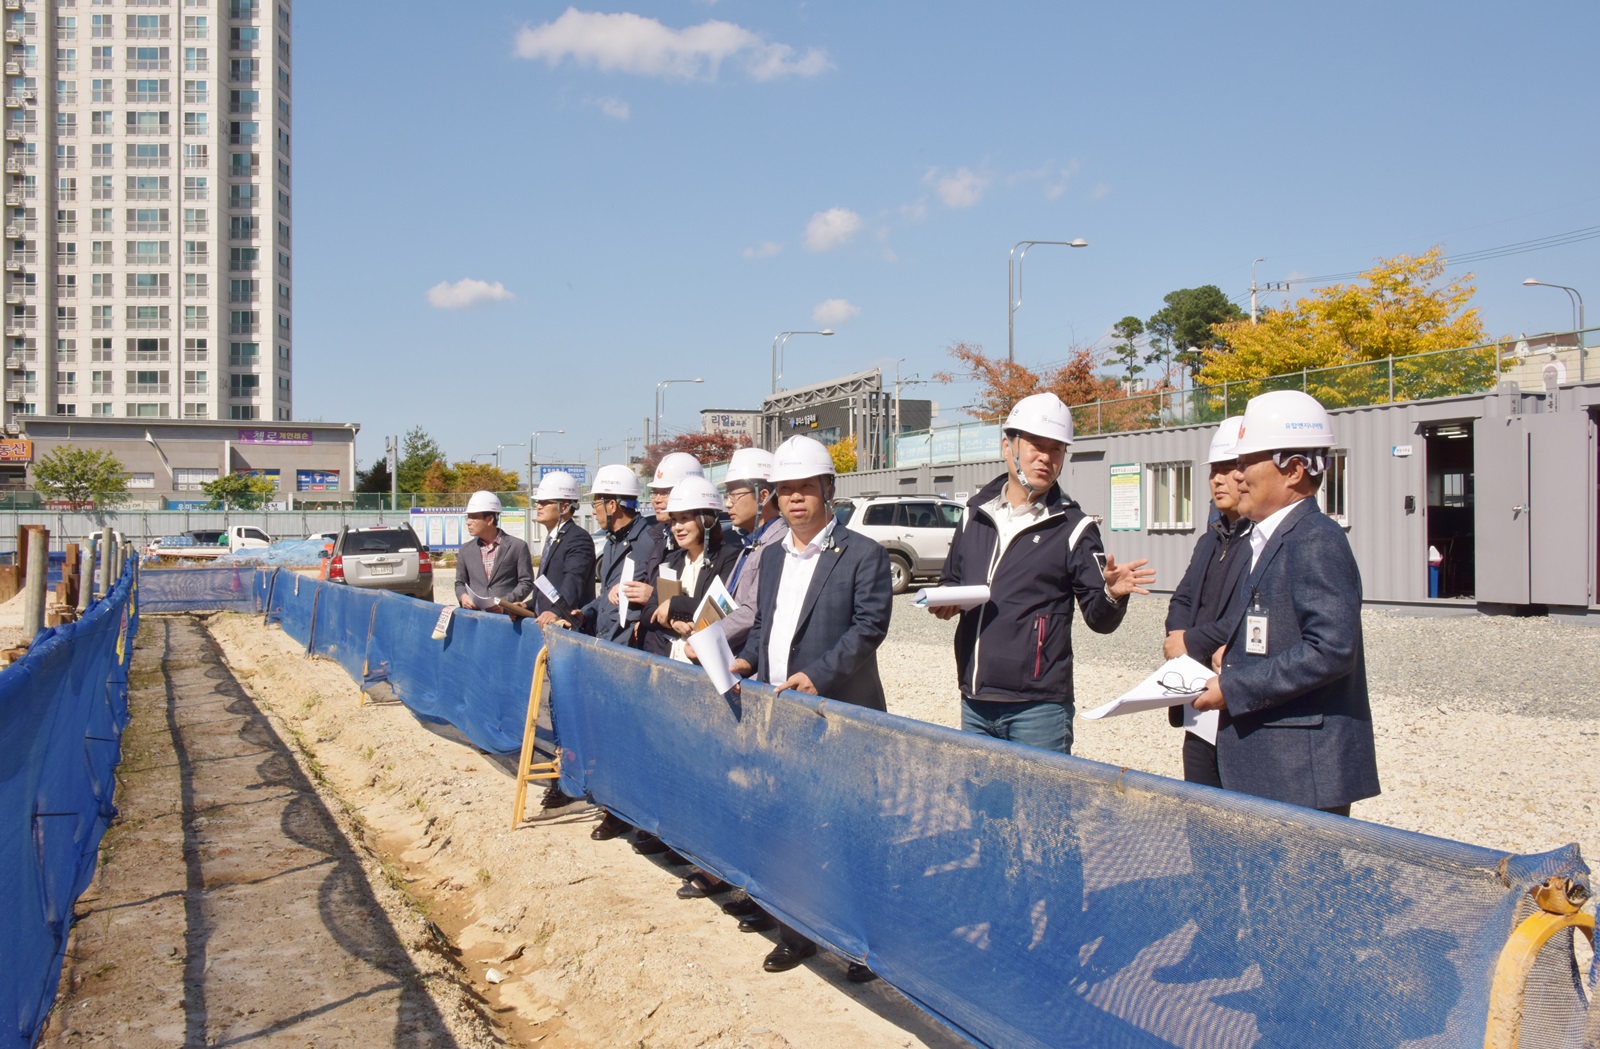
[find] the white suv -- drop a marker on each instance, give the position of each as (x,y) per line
(915,529)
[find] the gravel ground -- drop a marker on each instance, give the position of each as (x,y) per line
(1486,725)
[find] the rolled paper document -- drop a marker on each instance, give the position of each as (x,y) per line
(962,597)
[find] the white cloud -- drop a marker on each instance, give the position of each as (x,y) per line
(834,311)
(613,107)
(629,43)
(765,250)
(916,211)
(832,229)
(1100,192)
(1056,178)
(962,189)
(466,293)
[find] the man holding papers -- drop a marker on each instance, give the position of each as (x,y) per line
(628,546)
(567,563)
(1038,553)
(1296,723)
(1198,614)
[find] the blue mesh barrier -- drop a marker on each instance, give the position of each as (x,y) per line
(211,589)
(1027,898)
(63,707)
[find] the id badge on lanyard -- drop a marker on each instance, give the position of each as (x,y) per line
(1255,627)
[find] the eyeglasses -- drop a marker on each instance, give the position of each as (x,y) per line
(733,493)
(1173,684)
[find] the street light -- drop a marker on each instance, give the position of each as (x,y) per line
(533,457)
(1014,290)
(663,384)
(778,342)
(1577,316)
(499,447)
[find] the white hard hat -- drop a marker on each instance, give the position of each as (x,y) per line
(800,457)
(674,467)
(557,484)
(694,493)
(1225,442)
(1042,415)
(617,480)
(483,503)
(750,464)
(1284,420)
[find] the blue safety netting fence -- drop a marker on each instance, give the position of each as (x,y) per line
(1023,898)
(63,707)
(208,589)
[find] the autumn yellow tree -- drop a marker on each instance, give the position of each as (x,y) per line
(1400,308)
(844,455)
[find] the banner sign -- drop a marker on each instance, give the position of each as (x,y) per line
(274,437)
(316,480)
(16,451)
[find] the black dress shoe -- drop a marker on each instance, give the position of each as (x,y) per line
(673,858)
(700,885)
(740,906)
(784,957)
(554,799)
(757,922)
(858,973)
(647,844)
(608,828)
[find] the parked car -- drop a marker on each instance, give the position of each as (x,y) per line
(207,543)
(916,530)
(382,557)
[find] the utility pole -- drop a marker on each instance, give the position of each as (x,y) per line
(391,458)
(1253,288)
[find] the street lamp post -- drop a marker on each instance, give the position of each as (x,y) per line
(1014,284)
(1577,316)
(499,447)
(533,459)
(660,386)
(778,342)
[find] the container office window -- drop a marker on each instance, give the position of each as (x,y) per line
(1171,496)
(1334,495)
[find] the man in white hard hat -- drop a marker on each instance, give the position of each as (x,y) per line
(567,560)
(1198,615)
(491,565)
(1038,553)
(747,495)
(628,536)
(1296,723)
(821,613)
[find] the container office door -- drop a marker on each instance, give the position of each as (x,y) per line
(1535,540)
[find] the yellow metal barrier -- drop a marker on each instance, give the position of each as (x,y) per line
(1560,902)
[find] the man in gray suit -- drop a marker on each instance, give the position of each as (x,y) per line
(491,566)
(1296,723)
(821,612)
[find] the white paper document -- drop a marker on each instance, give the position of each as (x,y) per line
(1202,723)
(1175,683)
(962,597)
(711,649)
(548,589)
(622,597)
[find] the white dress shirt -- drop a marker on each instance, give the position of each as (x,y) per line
(799,565)
(1263,531)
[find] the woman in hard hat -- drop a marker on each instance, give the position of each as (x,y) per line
(700,555)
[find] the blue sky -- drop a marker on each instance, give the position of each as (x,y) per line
(652,191)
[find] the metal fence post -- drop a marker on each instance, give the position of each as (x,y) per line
(1304,386)
(1391,378)
(103,584)
(38,578)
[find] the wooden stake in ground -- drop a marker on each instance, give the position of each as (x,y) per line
(37,576)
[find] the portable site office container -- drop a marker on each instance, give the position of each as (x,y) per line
(1502,486)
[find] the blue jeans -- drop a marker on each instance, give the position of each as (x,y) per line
(1037,724)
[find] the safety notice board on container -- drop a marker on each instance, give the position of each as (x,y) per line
(1127,496)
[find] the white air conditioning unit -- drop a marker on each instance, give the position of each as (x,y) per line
(12,429)
(14,364)
(27,94)
(13,36)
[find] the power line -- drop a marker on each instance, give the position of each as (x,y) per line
(1467,258)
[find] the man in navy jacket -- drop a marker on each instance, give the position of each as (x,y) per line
(1199,614)
(1296,723)
(1038,553)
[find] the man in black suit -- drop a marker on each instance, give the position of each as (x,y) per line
(1296,723)
(821,612)
(1198,614)
(567,562)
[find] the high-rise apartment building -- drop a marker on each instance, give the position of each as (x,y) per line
(147,209)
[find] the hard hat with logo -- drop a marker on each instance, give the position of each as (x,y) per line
(1284,420)
(750,464)
(674,467)
(617,480)
(557,484)
(694,493)
(1042,415)
(483,503)
(801,457)
(1225,442)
